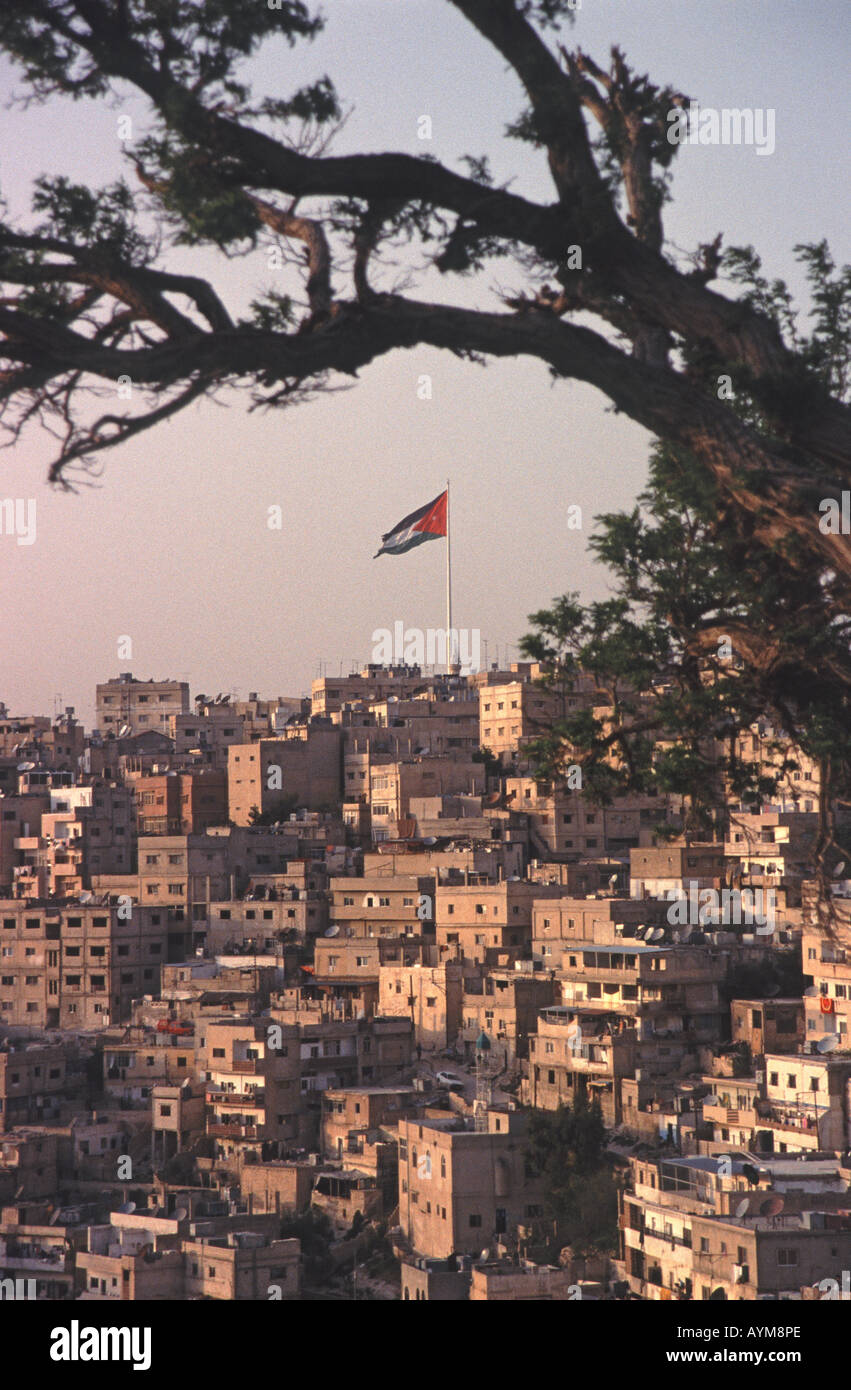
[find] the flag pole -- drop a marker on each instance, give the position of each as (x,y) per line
(448,589)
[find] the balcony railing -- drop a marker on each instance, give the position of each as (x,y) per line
(251,1100)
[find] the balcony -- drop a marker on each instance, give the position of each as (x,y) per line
(38,1263)
(251,1100)
(791,1119)
(234,1131)
(249,1067)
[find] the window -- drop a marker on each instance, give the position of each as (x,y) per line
(787,1258)
(475,1220)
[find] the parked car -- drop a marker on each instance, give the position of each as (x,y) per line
(450,1080)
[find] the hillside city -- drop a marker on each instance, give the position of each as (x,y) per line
(334,997)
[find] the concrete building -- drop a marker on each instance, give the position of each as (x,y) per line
(272,775)
(431,996)
(181,803)
(460,1189)
(126,703)
(80,965)
(478,918)
(768,1025)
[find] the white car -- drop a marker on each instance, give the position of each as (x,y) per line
(449,1079)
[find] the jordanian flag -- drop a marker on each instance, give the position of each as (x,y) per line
(424,525)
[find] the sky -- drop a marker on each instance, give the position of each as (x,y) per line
(171,547)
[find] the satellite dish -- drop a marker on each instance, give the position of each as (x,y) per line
(333,930)
(828,1043)
(639,932)
(486,1254)
(772,1206)
(613,881)
(838,870)
(86,896)
(657,934)
(181,1214)
(128,1208)
(25,767)
(772,989)
(811,993)
(743,1207)
(718,1296)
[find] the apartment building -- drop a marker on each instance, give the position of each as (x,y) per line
(431,996)
(33,1083)
(580,1056)
(273,774)
(770,1257)
(505,1004)
(20,818)
(79,964)
(50,743)
(189,872)
(382,905)
(136,1059)
(338,1051)
(559,927)
(252,1076)
(206,735)
(826,962)
(180,803)
(330,694)
(807,1102)
(562,823)
(392,785)
(460,1189)
(344,965)
(350,1114)
(768,1025)
(242,1266)
(658,871)
(671,994)
(127,705)
(496,917)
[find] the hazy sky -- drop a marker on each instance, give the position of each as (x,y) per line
(172,547)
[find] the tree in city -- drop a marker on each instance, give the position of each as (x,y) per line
(708,634)
(566,1152)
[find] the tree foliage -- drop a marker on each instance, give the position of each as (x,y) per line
(566,1149)
(87,300)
